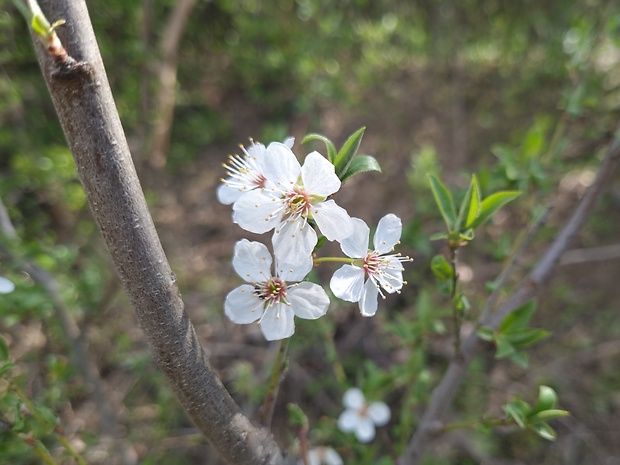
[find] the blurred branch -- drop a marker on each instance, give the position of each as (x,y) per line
(443,395)
(71,332)
(592,254)
(167,79)
(90,121)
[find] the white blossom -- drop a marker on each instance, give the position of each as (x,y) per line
(272,299)
(373,270)
(360,417)
(244,172)
(6,286)
(322,455)
(295,195)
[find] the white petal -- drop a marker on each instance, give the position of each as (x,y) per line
(356,245)
(347,283)
(388,233)
(365,431)
(333,221)
(294,241)
(368,302)
(354,399)
(227,194)
(295,272)
(332,457)
(242,306)
(348,421)
(257,212)
(313,458)
(308,300)
(280,165)
(277,323)
(6,286)
(391,280)
(319,175)
(379,412)
(252,261)
(289,141)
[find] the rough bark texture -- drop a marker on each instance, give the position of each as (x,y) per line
(89,119)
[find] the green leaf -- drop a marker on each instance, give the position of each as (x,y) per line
(492,204)
(547,415)
(467,235)
(547,398)
(519,318)
(485,333)
(348,151)
(441,268)
(296,415)
(361,164)
(526,336)
(40,25)
(474,204)
(4,350)
(331,148)
(438,236)
(517,410)
(504,347)
(6,368)
(464,208)
(544,431)
(443,199)
(520,358)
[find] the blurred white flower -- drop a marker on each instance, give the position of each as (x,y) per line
(360,417)
(6,286)
(294,195)
(372,270)
(244,172)
(272,299)
(323,456)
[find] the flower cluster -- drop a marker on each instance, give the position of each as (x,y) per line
(269,190)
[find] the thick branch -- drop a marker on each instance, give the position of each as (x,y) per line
(444,393)
(89,119)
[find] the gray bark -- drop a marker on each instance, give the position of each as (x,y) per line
(86,109)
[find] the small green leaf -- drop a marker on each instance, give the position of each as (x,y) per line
(361,164)
(296,415)
(526,336)
(6,368)
(544,431)
(504,347)
(348,151)
(519,318)
(474,205)
(48,416)
(464,208)
(467,235)
(547,398)
(441,268)
(485,333)
(443,199)
(40,25)
(438,236)
(461,303)
(520,358)
(331,148)
(492,204)
(517,410)
(4,350)
(547,415)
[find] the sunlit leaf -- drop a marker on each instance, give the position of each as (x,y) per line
(444,201)
(519,318)
(491,205)
(347,152)
(441,268)
(331,149)
(361,164)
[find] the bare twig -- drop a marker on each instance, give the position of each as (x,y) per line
(592,254)
(90,121)
(443,395)
(167,77)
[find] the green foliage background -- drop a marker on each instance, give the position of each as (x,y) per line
(524,93)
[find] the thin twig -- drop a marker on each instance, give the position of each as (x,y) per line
(278,371)
(443,395)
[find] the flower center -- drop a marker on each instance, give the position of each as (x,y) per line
(372,263)
(272,291)
(297,202)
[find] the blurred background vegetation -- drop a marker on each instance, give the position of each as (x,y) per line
(524,93)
